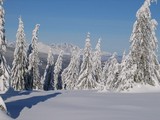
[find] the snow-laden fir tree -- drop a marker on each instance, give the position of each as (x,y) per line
(110,72)
(97,66)
(141,64)
(58,72)
(33,68)
(20,59)
(29,76)
(123,61)
(48,82)
(70,74)
(2,29)
(86,79)
(4,71)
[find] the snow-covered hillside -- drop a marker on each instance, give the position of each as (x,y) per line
(82,105)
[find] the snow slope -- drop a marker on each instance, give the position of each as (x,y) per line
(3,111)
(82,105)
(3,116)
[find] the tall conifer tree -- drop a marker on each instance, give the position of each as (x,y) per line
(97,66)
(86,79)
(58,72)
(48,74)
(70,74)
(4,71)
(34,61)
(141,65)
(20,59)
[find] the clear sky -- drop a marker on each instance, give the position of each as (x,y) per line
(69,20)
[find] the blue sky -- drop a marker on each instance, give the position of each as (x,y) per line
(69,20)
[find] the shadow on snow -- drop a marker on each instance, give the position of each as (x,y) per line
(12,93)
(15,107)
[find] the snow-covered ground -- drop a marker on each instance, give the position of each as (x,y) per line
(82,105)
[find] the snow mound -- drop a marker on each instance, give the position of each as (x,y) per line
(144,89)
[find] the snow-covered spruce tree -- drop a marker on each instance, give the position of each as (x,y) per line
(123,61)
(86,79)
(4,71)
(58,72)
(97,66)
(29,78)
(70,74)
(33,68)
(111,72)
(141,64)
(20,59)
(48,81)
(2,29)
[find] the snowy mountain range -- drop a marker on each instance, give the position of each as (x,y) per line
(44,48)
(65,47)
(56,48)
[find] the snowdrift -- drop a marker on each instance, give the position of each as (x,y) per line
(81,105)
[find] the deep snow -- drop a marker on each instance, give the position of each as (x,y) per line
(82,105)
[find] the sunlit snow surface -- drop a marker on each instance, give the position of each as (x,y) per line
(83,105)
